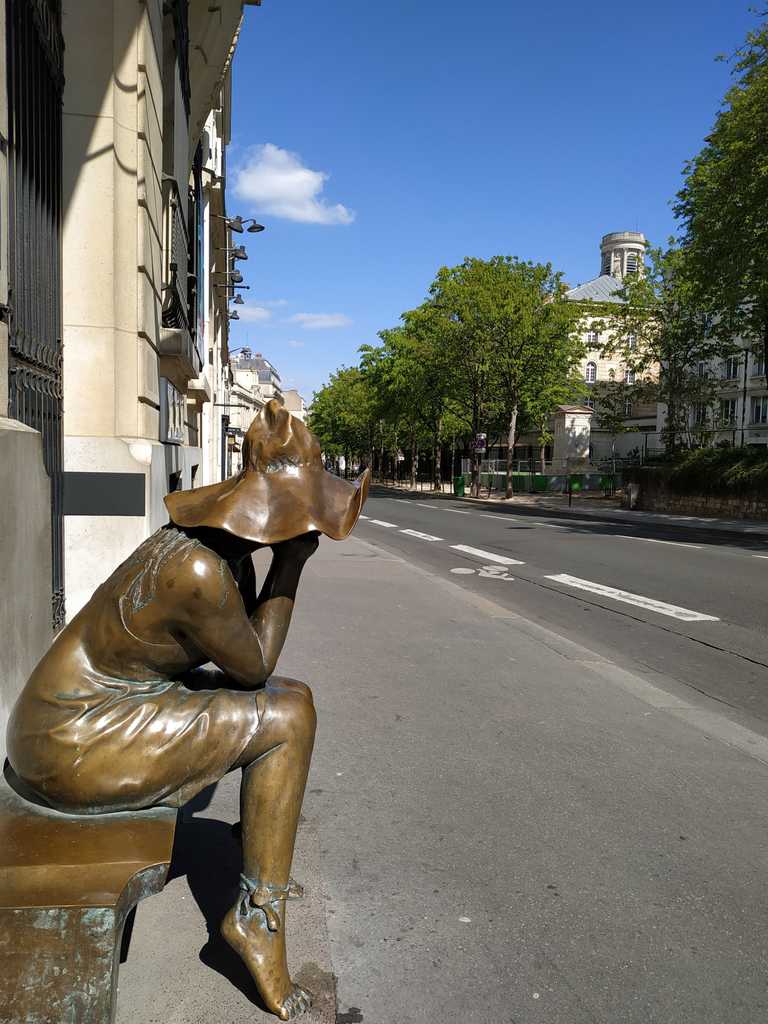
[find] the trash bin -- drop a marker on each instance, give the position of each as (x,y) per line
(458,486)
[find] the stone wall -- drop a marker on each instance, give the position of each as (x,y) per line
(704,505)
(647,489)
(25,561)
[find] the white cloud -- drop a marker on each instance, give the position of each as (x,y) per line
(275,181)
(270,303)
(251,314)
(295,344)
(319,321)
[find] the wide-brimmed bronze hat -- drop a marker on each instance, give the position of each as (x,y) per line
(282,491)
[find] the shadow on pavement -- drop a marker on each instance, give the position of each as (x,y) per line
(208,853)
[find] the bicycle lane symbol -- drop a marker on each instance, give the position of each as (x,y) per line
(488,572)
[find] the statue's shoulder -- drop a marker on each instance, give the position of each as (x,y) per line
(200,575)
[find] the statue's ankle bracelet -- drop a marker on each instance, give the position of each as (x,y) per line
(261,895)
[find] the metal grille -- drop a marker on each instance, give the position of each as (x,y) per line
(35,85)
(175,258)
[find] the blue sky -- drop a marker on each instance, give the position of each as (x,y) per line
(378,142)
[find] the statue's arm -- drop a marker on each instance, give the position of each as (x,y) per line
(274,607)
(209,615)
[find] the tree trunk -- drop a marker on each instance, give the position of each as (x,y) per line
(475,485)
(414,463)
(543,455)
(437,481)
(511,451)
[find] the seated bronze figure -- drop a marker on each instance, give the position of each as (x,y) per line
(106,722)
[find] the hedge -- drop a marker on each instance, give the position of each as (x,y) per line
(721,471)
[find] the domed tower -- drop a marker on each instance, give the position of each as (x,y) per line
(622,252)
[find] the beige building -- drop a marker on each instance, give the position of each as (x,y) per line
(621,252)
(295,404)
(739,415)
(145,123)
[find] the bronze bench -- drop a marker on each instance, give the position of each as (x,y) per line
(67,885)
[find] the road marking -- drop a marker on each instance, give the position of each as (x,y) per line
(760,556)
(492,515)
(553,526)
(363,517)
(459,511)
(421,536)
(624,596)
(488,572)
(380,522)
(490,555)
(653,540)
(422,505)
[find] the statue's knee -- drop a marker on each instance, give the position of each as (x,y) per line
(295,713)
(294,685)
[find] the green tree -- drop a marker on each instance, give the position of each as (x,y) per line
(723,204)
(344,416)
(667,338)
(513,340)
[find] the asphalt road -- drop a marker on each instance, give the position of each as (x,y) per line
(713,640)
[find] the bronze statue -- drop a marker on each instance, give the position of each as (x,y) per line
(106,722)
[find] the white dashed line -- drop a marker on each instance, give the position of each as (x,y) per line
(363,517)
(381,522)
(491,515)
(760,556)
(420,536)
(459,511)
(490,555)
(625,597)
(422,505)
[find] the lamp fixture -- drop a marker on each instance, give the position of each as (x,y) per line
(238,223)
(237,253)
(234,315)
(236,276)
(238,300)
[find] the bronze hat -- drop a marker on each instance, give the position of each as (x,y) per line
(282,491)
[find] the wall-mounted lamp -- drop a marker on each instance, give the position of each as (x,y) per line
(238,224)
(238,300)
(235,275)
(234,315)
(237,253)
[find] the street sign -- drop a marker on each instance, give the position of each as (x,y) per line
(479,442)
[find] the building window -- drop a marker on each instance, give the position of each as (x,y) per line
(590,374)
(731,368)
(627,406)
(632,263)
(700,414)
(701,368)
(592,338)
(631,342)
(607,264)
(760,409)
(629,377)
(758,364)
(727,412)
(590,403)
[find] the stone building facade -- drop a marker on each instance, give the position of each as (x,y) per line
(621,252)
(115,273)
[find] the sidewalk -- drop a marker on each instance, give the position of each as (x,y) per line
(597,507)
(500,826)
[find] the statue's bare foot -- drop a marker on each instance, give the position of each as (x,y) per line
(263,953)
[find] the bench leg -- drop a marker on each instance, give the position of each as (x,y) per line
(58,965)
